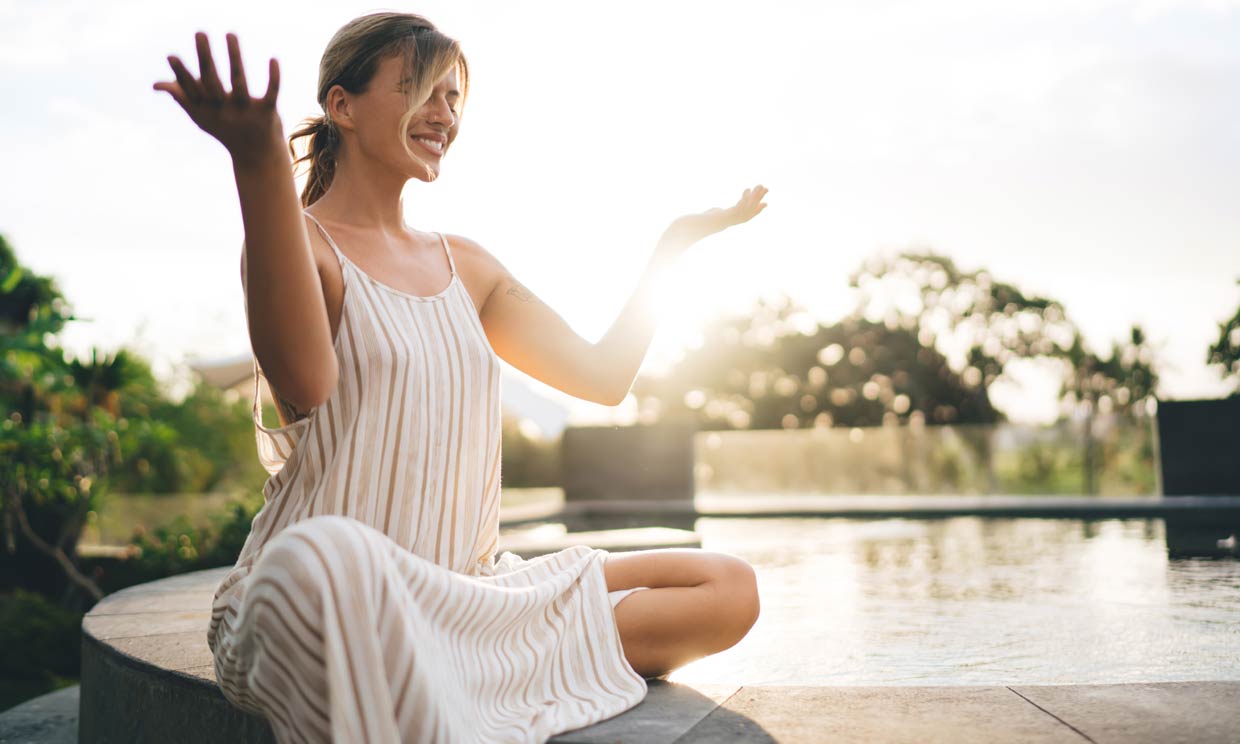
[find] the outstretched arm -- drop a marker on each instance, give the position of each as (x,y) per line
(535,339)
(285,309)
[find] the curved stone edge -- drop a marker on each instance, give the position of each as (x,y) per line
(127,699)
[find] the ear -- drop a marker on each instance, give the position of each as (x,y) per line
(339,107)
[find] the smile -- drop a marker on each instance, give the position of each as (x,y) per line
(429,144)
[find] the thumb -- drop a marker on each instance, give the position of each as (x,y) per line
(173,89)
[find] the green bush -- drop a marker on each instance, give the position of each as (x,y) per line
(42,645)
(179,547)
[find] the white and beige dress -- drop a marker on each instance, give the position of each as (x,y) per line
(368,603)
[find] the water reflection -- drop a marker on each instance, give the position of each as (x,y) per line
(972,600)
(1202,534)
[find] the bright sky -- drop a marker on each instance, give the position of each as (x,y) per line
(1083,149)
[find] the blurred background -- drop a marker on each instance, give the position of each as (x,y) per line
(998,235)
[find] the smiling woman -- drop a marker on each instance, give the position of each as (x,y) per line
(406,78)
(368,602)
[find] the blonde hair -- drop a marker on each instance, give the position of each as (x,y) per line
(351,60)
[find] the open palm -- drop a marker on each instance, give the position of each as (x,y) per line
(689,229)
(244,125)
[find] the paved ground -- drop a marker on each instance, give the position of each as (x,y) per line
(50,719)
(1201,712)
(1163,713)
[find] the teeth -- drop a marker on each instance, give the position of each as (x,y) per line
(435,145)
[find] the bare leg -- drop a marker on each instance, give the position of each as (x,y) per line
(700,602)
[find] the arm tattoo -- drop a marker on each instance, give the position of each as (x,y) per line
(516,289)
(289,412)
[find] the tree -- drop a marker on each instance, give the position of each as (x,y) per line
(1226,351)
(56,444)
(984,323)
(925,341)
(1124,383)
(776,368)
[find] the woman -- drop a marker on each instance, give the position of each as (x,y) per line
(368,603)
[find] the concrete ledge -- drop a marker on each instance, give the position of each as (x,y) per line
(147,673)
(637,538)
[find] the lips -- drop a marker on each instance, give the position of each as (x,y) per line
(434,147)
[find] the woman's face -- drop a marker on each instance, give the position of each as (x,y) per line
(376,114)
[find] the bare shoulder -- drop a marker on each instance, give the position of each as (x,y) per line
(491,272)
(470,251)
(479,267)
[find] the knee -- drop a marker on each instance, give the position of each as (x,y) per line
(295,560)
(745,588)
(738,583)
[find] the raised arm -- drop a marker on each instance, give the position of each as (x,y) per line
(532,337)
(285,308)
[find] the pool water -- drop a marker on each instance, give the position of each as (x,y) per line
(974,601)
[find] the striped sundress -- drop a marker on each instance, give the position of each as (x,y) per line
(368,603)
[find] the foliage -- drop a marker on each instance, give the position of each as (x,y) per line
(772,368)
(36,657)
(995,321)
(1226,351)
(54,481)
(59,436)
(74,429)
(923,344)
(925,341)
(28,621)
(179,546)
(1124,382)
(208,438)
(71,430)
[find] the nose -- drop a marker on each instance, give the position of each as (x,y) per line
(440,112)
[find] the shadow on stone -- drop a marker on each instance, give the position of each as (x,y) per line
(669,711)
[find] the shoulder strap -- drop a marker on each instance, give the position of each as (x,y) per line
(258,416)
(259,376)
(451,265)
(326,235)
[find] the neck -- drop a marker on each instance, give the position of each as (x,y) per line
(365,195)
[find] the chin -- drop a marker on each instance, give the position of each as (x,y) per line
(417,174)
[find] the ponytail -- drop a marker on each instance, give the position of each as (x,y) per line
(321,152)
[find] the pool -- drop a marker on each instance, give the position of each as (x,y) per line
(974,601)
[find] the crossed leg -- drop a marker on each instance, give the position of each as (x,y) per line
(700,602)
